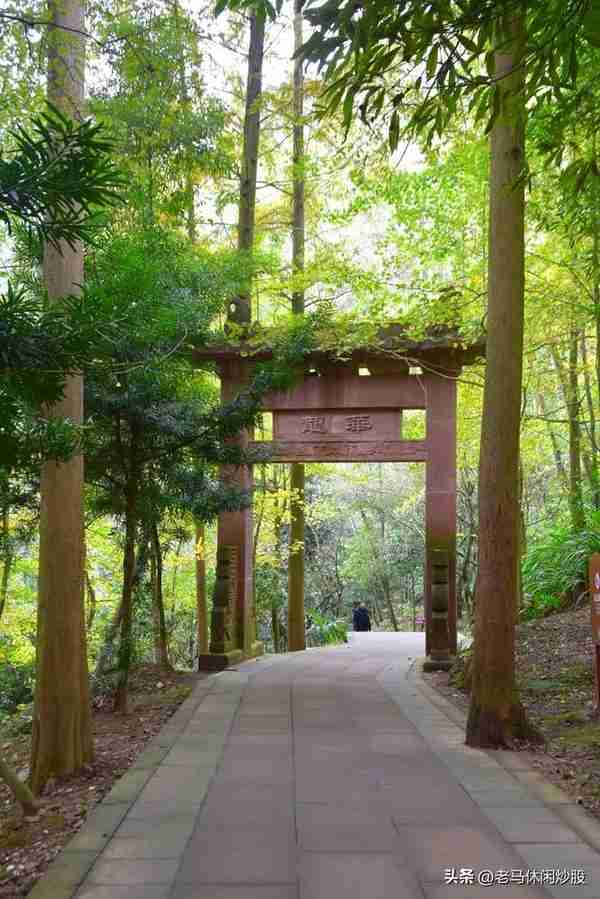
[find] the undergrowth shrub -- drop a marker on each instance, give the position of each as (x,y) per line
(325,632)
(16,685)
(556,561)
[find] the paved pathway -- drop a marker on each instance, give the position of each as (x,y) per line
(320,775)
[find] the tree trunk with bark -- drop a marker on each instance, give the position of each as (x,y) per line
(201,607)
(240,308)
(593,467)
(62,734)
(161,649)
(92,603)
(104,658)
(575,476)
(495,713)
(190,218)
(568,380)
(129,570)
(296,628)
(280,635)
(556,450)
(596,282)
(7,559)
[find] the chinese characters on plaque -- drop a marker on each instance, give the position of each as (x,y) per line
(358,423)
(355,424)
(314,424)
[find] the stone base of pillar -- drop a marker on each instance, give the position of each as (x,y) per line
(431,664)
(218,661)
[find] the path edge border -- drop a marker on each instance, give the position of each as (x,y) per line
(67,871)
(518,764)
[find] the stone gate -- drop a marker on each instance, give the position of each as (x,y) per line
(352,411)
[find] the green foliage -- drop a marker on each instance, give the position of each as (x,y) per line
(591,23)
(373,56)
(555,563)
(58,175)
(264,7)
(39,346)
(325,631)
(54,183)
(170,130)
(539,605)
(16,682)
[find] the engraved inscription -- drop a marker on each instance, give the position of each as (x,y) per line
(314,424)
(356,424)
(329,450)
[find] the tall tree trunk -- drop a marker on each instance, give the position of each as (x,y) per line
(129,570)
(190,211)
(105,656)
(522,541)
(161,649)
(279,511)
(201,608)
(596,280)
(568,380)
(7,558)
(462,599)
(556,450)
(387,593)
(92,604)
(495,712)
(240,309)
(62,734)
(296,628)
(575,479)
(275,627)
(594,467)
(380,571)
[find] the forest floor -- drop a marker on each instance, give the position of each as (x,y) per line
(555,671)
(27,846)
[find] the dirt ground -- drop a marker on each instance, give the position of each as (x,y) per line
(27,846)
(555,671)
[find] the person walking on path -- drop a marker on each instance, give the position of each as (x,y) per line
(361,620)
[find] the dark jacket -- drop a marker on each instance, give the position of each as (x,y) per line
(361,620)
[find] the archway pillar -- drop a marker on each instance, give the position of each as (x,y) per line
(233,621)
(440,519)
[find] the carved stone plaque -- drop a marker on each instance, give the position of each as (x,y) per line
(348,425)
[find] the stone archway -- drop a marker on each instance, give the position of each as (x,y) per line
(350,411)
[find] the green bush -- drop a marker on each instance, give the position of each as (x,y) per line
(538,606)
(16,686)
(556,561)
(325,632)
(19,722)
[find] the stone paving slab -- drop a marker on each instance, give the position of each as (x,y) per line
(235,891)
(318,775)
(355,876)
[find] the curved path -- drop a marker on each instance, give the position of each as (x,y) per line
(324,774)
